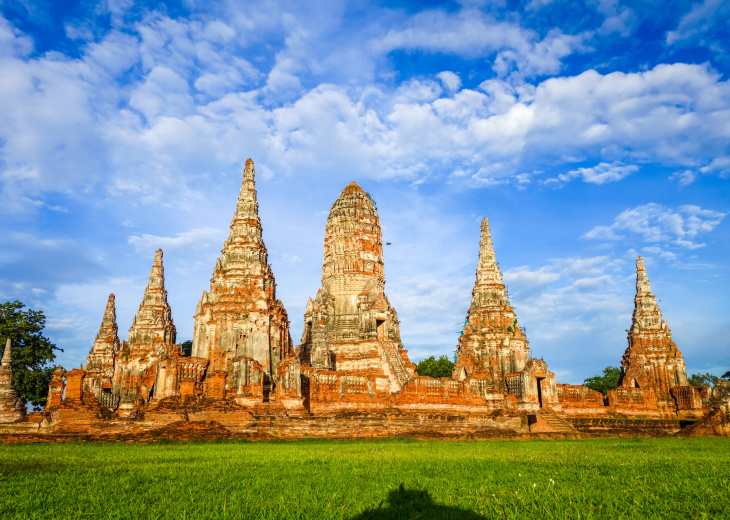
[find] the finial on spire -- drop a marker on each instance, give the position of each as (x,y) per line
(158,259)
(7,354)
(249,172)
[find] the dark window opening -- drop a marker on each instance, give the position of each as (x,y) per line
(380,328)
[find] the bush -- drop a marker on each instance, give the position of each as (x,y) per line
(433,367)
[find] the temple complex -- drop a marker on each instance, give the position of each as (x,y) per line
(350,375)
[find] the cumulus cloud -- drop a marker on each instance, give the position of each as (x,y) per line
(145,113)
(657,223)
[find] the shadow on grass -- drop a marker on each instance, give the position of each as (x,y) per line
(403,503)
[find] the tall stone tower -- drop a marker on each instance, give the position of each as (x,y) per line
(12,408)
(652,360)
(100,361)
(151,336)
(350,326)
(492,342)
(240,319)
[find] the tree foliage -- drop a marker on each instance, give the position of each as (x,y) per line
(604,382)
(32,351)
(187,348)
(726,375)
(703,379)
(433,367)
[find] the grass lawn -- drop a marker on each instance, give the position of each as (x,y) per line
(604,478)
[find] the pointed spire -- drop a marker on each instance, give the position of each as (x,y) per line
(647,314)
(7,354)
(491,342)
(157,273)
(642,280)
(109,321)
(652,359)
(487,271)
(154,317)
(242,294)
(247,207)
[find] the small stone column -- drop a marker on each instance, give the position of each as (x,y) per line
(55,389)
(12,408)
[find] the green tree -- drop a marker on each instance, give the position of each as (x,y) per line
(433,367)
(726,375)
(604,382)
(187,348)
(703,379)
(32,351)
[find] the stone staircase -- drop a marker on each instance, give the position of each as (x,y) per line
(395,362)
(549,422)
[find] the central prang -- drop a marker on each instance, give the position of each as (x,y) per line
(350,326)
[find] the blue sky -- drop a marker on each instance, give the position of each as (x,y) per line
(587,133)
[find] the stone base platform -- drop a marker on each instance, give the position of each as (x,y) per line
(224,420)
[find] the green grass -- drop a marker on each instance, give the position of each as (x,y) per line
(604,478)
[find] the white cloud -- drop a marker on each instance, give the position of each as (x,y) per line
(195,105)
(656,223)
(195,238)
(699,20)
(470,33)
(450,81)
(599,174)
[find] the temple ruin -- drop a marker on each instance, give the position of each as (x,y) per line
(350,374)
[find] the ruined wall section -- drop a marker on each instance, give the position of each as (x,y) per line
(350,326)
(239,319)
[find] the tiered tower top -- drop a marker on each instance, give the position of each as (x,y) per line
(489,288)
(153,321)
(647,315)
(353,244)
(108,330)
